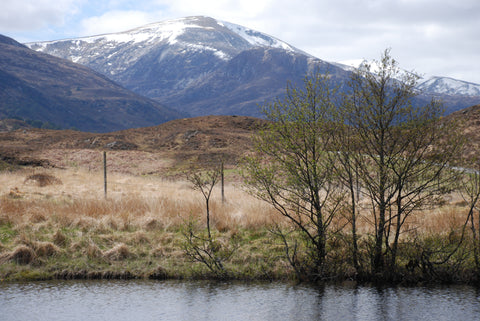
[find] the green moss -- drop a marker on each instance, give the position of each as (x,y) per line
(5,166)
(28,274)
(7,233)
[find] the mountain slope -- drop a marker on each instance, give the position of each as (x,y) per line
(196,65)
(145,151)
(43,88)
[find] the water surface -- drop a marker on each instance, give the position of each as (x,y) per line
(175,300)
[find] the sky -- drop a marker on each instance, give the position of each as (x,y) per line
(429,37)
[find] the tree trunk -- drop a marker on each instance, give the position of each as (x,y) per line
(208,218)
(393,260)
(321,243)
(378,255)
(354,230)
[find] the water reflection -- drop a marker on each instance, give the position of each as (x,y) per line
(173,300)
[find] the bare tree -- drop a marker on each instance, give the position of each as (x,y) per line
(402,150)
(200,248)
(291,170)
(205,181)
(470,190)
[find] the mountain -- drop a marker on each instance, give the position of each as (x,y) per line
(434,85)
(449,86)
(196,65)
(455,94)
(53,92)
(202,66)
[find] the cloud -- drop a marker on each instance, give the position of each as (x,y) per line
(424,35)
(34,14)
(430,36)
(115,21)
(220,9)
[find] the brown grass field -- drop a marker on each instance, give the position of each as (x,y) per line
(57,223)
(69,227)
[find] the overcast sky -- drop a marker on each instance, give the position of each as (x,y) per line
(430,37)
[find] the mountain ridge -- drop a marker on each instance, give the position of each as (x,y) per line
(436,85)
(449,86)
(201,66)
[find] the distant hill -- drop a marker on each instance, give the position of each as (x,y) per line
(47,91)
(469,123)
(166,148)
(178,142)
(7,125)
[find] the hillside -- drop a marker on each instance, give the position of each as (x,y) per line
(167,148)
(469,123)
(53,92)
(151,150)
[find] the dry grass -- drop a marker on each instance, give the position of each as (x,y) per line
(72,227)
(118,252)
(144,203)
(42,180)
(22,254)
(150,203)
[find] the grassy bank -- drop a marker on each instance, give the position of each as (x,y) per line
(65,228)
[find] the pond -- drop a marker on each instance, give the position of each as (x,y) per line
(201,300)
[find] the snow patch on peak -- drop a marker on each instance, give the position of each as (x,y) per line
(450,86)
(352,63)
(256,38)
(168,30)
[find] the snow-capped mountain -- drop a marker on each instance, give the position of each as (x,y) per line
(434,85)
(194,34)
(197,65)
(202,66)
(449,86)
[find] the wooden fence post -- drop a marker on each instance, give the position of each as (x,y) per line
(105,173)
(223,184)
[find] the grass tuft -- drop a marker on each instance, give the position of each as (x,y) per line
(117,253)
(42,180)
(22,254)
(70,230)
